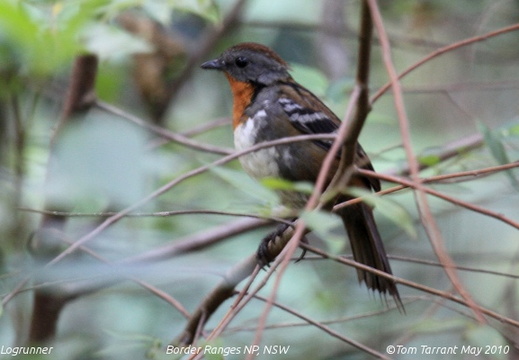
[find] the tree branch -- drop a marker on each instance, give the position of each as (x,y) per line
(223,291)
(47,305)
(443,50)
(207,44)
(423,288)
(442,196)
(347,136)
(121,214)
(428,220)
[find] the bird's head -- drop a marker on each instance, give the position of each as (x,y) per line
(251,63)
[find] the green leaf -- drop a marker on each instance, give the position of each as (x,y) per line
(494,143)
(161,10)
(110,80)
(484,335)
(513,130)
(432,325)
(245,183)
(510,128)
(341,89)
(311,78)
(390,209)
(123,341)
(111,43)
(216,356)
(282,184)
(215,349)
(129,336)
(204,8)
(429,160)
(497,149)
(324,224)
(93,162)
(37,43)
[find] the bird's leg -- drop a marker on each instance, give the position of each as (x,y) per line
(273,244)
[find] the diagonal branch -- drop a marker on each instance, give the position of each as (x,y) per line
(446,295)
(363,106)
(438,194)
(347,136)
(443,50)
(207,44)
(121,214)
(288,241)
(79,99)
(223,291)
(164,133)
(291,237)
(428,220)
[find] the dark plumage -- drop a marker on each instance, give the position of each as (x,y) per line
(269,105)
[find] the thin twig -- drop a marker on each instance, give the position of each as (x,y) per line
(223,291)
(205,46)
(427,262)
(413,284)
(441,195)
(207,126)
(165,133)
(347,136)
(340,320)
(169,213)
(448,151)
(161,294)
(433,179)
(197,241)
(79,99)
(291,239)
(455,46)
(115,218)
(458,267)
(428,220)
(321,325)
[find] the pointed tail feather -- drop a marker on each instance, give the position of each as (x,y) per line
(368,249)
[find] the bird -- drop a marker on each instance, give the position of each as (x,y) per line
(268,104)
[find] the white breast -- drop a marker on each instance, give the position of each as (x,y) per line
(258,164)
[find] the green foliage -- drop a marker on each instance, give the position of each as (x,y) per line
(494,141)
(513,130)
(429,160)
(33,45)
(311,78)
(162,10)
(94,163)
(390,209)
(110,81)
(113,44)
(241,181)
(102,163)
(490,340)
(129,343)
(38,38)
(281,184)
(325,225)
(438,326)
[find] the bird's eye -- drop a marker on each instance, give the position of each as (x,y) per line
(241,61)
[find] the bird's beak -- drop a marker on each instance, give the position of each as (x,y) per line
(215,64)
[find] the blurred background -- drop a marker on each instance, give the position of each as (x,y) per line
(68,165)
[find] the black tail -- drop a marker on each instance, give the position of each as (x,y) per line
(368,249)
